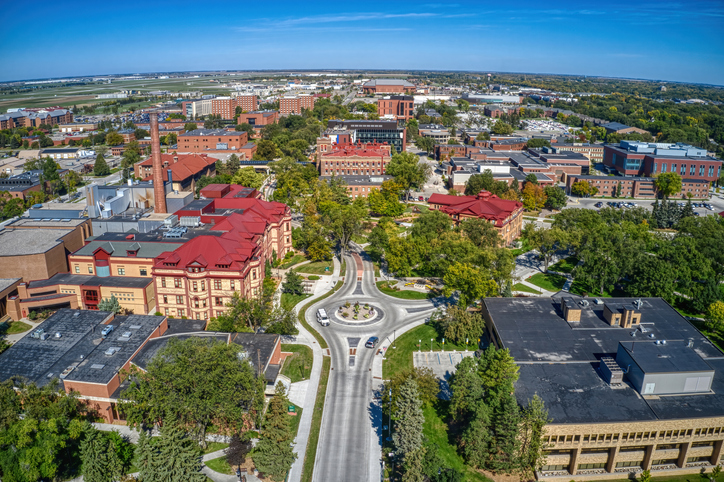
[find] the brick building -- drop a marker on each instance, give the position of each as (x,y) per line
(186,169)
(632,158)
(504,144)
(401,107)
(206,140)
(638,187)
(618,128)
(594,152)
(294,104)
(198,279)
(388,86)
(226,106)
(505,215)
(355,159)
(629,384)
(27,118)
(495,111)
(74,128)
(360,186)
(259,118)
(21,185)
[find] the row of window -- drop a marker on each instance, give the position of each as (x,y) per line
(218,284)
(120,270)
(633,436)
(692,169)
(218,301)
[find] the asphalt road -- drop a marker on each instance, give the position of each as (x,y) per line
(350,441)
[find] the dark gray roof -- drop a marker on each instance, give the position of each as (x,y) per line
(39,360)
(112,353)
(616,126)
(376,82)
(121,248)
(672,357)
(90,280)
(210,132)
(251,342)
(6,283)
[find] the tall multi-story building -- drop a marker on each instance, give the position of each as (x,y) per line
(25,118)
(199,278)
(388,86)
(294,104)
(633,158)
(221,106)
(401,107)
(355,159)
(202,140)
(629,384)
(367,131)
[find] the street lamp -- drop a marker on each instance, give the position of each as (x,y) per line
(394,338)
(431,344)
(419,344)
(390,418)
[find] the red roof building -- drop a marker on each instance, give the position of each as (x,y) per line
(355,159)
(186,169)
(198,279)
(505,215)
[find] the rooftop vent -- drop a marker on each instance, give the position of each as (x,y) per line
(638,303)
(598,301)
(58,335)
(112,350)
(97,366)
(583,303)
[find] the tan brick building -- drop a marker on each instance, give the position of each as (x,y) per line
(629,384)
(294,104)
(402,107)
(204,140)
(354,159)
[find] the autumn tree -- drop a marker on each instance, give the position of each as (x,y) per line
(534,197)
(668,184)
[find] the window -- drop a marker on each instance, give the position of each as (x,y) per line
(663,167)
(77,269)
(177,282)
(196,303)
(683,169)
(90,269)
(165,311)
(165,299)
(121,271)
(217,284)
(181,312)
(692,170)
(253,274)
(143,272)
(195,286)
(219,301)
(232,284)
(179,300)
(673,167)
(198,316)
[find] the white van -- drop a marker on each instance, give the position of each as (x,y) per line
(322,317)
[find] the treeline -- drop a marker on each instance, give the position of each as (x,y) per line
(491,430)
(623,250)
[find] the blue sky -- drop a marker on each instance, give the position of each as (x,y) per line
(652,40)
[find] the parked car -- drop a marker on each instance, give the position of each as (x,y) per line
(372,342)
(420,198)
(599,204)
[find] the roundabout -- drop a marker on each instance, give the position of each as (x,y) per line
(356,314)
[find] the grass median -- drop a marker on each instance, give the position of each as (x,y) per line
(298,365)
(384,287)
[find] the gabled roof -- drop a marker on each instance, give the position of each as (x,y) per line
(223,251)
(484,205)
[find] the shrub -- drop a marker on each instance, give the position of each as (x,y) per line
(158,313)
(313,277)
(32,315)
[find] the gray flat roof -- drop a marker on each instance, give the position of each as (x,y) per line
(121,248)
(45,222)
(672,357)
(22,242)
(41,360)
(5,283)
(130,332)
(559,360)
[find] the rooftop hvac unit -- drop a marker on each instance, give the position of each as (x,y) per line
(610,370)
(191,221)
(638,303)
(170,221)
(584,303)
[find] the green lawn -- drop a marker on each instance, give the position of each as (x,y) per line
(402,294)
(436,431)
(214,446)
(219,465)
(294,420)
(565,265)
(17,327)
(289,300)
(311,454)
(297,366)
(525,247)
(316,267)
(297,258)
(400,358)
(548,281)
(524,288)
(359,238)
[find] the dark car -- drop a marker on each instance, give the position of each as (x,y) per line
(598,204)
(372,342)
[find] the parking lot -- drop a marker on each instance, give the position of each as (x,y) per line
(716,202)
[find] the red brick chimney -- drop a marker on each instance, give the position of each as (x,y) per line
(159,193)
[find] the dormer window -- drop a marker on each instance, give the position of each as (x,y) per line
(131,254)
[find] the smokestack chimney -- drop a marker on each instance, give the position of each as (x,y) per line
(170,176)
(159,192)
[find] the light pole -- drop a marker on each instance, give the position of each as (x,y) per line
(394,338)
(419,344)
(390,418)
(431,344)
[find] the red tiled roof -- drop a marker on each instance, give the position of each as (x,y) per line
(348,150)
(216,251)
(186,166)
(484,205)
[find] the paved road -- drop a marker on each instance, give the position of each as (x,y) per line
(350,443)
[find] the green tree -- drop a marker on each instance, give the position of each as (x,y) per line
(190,126)
(425,143)
(645,476)
(715,315)
(502,128)
(386,201)
(458,325)
(483,136)
(274,454)
(413,466)
(113,138)
(538,143)
(506,442)
(293,284)
(100,168)
(221,389)
(245,315)
(266,150)
(245,127)
(171,457)
(345,222)
(408,171)
(427,384)
(478,439)
(248,177)
(668,184)
(534,418)
(408,420)
(532,178)
(471,284)
(171,139)
(480,182)
(467,390)
(14,207)
(555,198)
(110,304)
(481,232)
(547,241)
(100,461)
(431,225)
